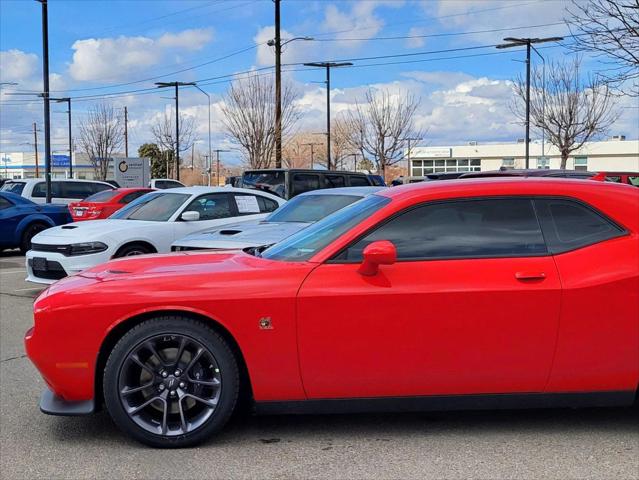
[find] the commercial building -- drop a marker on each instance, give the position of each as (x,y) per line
(24,165)
(617,154)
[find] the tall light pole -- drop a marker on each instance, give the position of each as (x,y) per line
(328,66)
(209,98)
(217,165)
(312,145)
(177,120)
(528,42)
(408,153)
(45,96)
(68,102)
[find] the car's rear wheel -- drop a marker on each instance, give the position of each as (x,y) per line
(171,382)
(30,232)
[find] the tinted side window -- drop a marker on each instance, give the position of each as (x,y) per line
(129,197)
(4,203)
(357,181)
(76,190)
(99,187)
(460,229)
(40,190)
(569,225)
(267,205)
(633,180)
(211,207)
(304,182)
(335,181)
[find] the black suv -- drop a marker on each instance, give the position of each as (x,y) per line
(287,183)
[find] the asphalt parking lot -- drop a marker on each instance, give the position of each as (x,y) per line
(587,443)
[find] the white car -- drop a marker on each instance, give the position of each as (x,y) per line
(165,183)
(293,216)
(62,191)
(147,225)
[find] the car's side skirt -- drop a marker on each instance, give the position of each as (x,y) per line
(448,402)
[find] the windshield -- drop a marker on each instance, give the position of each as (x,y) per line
(272,182)
(103,196)
(310,208)
(13,187)
(303,245)
(154,207)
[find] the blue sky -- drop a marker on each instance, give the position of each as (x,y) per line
(103,47)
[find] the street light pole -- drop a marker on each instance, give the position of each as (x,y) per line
(278,88)
(312,145)
(209,98)
(68,102)
(45,96)
(408,173)
(177,120)
(328,66)
(528,42)
(217,165)
(35,148)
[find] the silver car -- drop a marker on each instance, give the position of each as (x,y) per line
(293,216)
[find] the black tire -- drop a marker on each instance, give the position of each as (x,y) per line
(28,233)
(132,249)
(118,371)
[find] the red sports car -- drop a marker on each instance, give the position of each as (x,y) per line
(105,203)
(442,295)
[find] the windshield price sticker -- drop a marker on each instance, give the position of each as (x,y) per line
(247,204)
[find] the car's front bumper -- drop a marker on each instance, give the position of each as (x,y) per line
(59,266)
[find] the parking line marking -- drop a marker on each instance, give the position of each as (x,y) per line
(13,271)
(26,289)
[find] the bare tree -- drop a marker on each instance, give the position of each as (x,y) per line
(341,144)
(381,126)
(164,134)
(569,110)
(249,117)
(101,134)
(610,30)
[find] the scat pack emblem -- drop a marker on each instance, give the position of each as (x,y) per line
(266,324)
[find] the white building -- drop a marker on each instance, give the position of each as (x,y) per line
(617,154)
(23,165)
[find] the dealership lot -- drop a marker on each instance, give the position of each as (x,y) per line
(586,443)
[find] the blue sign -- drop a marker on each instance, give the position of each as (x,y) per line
(60,161)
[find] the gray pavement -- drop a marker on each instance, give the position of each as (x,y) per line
(589,443)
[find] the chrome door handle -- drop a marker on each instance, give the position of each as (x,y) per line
(530,275)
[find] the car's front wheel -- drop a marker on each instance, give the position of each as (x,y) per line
(171,382)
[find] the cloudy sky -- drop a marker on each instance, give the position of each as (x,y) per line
(440,50)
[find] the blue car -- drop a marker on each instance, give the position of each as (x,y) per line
(21,220)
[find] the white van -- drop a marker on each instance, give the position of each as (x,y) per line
(62,191)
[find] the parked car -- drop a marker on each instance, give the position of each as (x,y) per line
(233,181)
(447,295)
(426,178)
(287,183)
(21,220)
(164,183)
(628,178)
(293,216)
(147,225)
(62,191)
(103,204)
(376,180)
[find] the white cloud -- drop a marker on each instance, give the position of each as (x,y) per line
(17,65)
(194,39)
(108,59)
(417,42)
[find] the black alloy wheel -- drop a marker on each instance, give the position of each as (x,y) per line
(171,382)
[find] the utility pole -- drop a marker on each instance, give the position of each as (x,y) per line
(312,145)
(354,155)
(208,170)
(192,155)
(35,147)
(217,165)
(278,88)
(408,154)
(126,132)
(528,42)
(209,99)
(328,66)
(177,120)
(45,96)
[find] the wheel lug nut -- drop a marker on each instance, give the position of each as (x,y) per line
(182,385)
(161,387)
(164,374)
(177,373)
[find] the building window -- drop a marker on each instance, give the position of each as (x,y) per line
(508,163)
(543,162)
(581,163)
(424,167)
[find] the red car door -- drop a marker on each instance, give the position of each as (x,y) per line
(471,306)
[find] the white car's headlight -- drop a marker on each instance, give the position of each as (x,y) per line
(87,248)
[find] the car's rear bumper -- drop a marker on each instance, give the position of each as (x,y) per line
(52,404)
